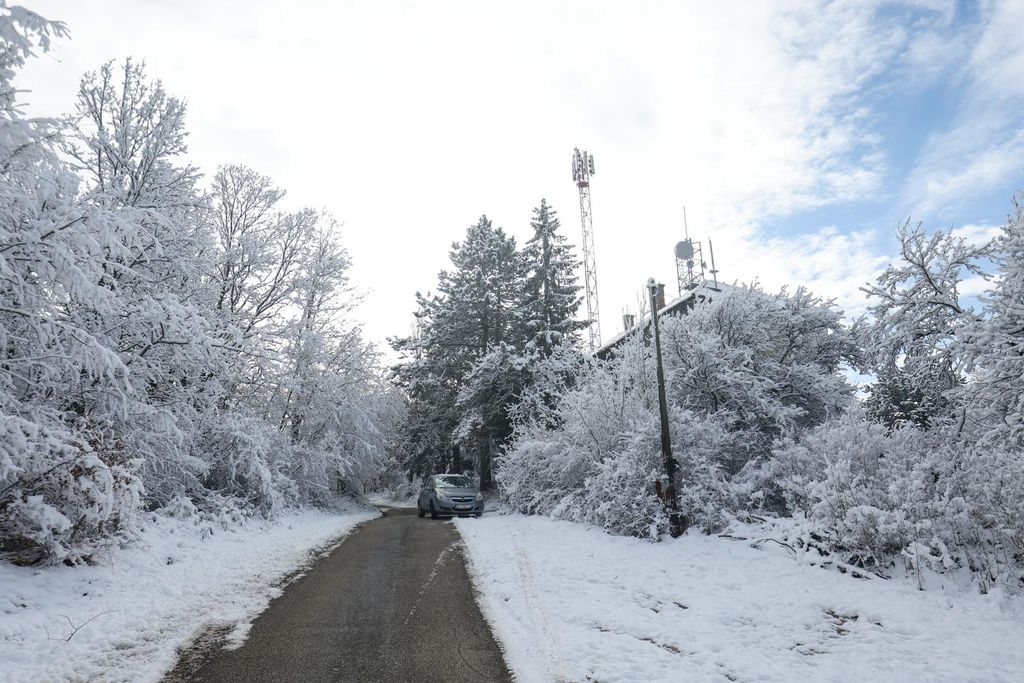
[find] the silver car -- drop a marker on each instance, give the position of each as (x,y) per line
(448,495)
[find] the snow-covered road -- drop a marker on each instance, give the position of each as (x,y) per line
(132,613)
(570,603)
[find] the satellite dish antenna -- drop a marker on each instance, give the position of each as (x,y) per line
(684,250)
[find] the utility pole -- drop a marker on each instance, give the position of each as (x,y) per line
(676,521)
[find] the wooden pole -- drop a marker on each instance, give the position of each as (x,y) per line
(677,523)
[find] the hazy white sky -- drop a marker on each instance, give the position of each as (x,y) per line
(797,134)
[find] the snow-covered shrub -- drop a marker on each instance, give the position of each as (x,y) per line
(618,495)
(976,512)
(543,466)
(851,476)
(742,371)
(64,494)
(877,497)
(702,447)
(245,457)
(393,482)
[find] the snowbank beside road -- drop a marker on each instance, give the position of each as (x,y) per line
(132,614)
(571,603)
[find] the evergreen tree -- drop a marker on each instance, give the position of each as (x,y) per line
(478,308)
(552,295)
(896,399)
(430,374)
(482,296)
(504,378)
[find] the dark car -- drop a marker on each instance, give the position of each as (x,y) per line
(449,495)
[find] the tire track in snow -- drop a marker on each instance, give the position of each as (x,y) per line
(537,612)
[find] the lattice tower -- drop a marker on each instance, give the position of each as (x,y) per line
(582,169)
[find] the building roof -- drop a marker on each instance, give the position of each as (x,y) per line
(678,306)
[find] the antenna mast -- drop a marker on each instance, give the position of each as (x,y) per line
(690,259)
(582,169)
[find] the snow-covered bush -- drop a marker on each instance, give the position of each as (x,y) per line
(917,496)
(244,457)
(618,492)
(850,475)
(742,371)
(63,494)
(544,466)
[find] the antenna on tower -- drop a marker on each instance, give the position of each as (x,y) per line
(689,260)
(582,169)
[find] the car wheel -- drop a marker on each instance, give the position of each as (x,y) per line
(419,511)
(478,515)
(433,512)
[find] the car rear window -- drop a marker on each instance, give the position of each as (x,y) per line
(454,482)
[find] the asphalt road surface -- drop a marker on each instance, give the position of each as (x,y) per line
(392,603)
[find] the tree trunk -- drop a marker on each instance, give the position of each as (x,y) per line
(486,448)
(456,460)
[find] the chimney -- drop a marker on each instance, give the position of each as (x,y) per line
(660,299)
(628,321)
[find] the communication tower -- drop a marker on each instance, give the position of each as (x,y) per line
(582,169)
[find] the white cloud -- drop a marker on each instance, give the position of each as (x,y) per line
(977,235)
(830,262)
(976,156)
(984,146)
(410,119)
(973,286)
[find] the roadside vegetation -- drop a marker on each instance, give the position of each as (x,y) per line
(171,342)
(921,471)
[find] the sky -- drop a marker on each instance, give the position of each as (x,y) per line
(798,135)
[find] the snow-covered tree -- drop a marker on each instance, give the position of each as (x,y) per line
(430,373)
(127,140)
(996,344)
(928,475)
(327,396)
(260,248)
(896,398)
(162,347)
(481,297)
(552,292)
(917,317)
(477,309)
(67,483)
(763,364)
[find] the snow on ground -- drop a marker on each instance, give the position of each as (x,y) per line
(135,610)
(571,603)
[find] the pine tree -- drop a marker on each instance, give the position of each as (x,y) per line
(897,398)
(478,309)
(483,294)
(552,295)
